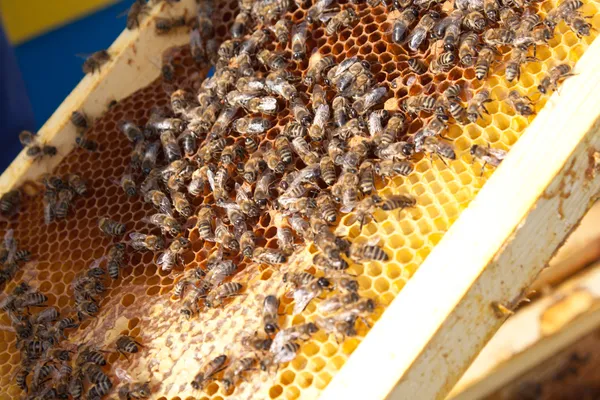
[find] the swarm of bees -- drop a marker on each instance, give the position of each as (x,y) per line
(209,147)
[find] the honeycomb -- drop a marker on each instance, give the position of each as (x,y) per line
(141,304)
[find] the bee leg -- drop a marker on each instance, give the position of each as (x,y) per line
(441,158)
(483,168)
(364,321)
(124,355)
(501,310)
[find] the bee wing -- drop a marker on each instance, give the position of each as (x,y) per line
(96,263)
(163,258)
(211,179)
(346,208)
(330,305)
(123,375)
(374,241)
(137,236)
(498,153)
(326,16)
(301,298)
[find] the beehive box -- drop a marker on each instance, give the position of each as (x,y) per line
(472,244)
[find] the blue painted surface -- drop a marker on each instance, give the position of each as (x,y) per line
(50,68)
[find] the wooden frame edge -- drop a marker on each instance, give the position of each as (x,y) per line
(118,78)
(443,317)
(535,334)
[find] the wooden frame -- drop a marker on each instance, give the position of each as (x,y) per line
(443,317)
(534,334)
(438,323)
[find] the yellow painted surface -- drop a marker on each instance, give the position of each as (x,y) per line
(24,19)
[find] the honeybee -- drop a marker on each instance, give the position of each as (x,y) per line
(251,125)
(304,294)
(181,204)
(418,66)
(236,370)
(115,256)
(521,104)
(345,191)
(283,354)
(133,391)
(442,63)
(467,48)
(77,184)
(327,168)
(169,258)
(219,182)
(159,200)
(141,242)
(208,371)
(343,19)
(240,24)
(304,151)
(432,145)
(317,130)
(269,314)
(484,59)
(86,144)
(216,296)
(94,62)
(316,10)
(225,238)
(188,142)
(367,101)
(518,56)
(419,33)
(395,151)
(499,37)
(341,108)
(301,331)
(401,24)
(578,24)
(262,189)
(316,69)
(361,309)
(265,105)
(562,11)
(395,202)
(277,83)
(281,30)
(475,21)
(150,156)
(488,155)
(368,251)
(477,103)
(110,227)
(556,74)
(268,256)
(127,344)
(257,39)
(165,25)
(299,40)
(165,222)
(79,119)
(138,8)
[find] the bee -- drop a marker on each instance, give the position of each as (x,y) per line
(442,63)
(141,242)
(299,40)
(418,66)
(345,191)
(281,30)
(395,151)
(170,147)
(86,144)
(169,258)
(271,60)
(518,56)
(138,8)
(94,62)
(400,27)
(79,119)
(149,158)
(115,259)
(165,25)
(491,10)
(467,48)
(128,185)
(247,243)
(521,104)
(477,103)
(165,222)
(316,11)
(395,202)
(21,379)
(371,98)
(225,238)
(304,294)
(341,108)
(181,204)
(304,151)
(283,150)
(564,9)
(268,256)
(265,105)
(188,142)
(89,354)
(343,19)
(556,74)
(475,21)
(77,184)
(159,200)
(419,33)
(251,125)
(286,353)
(215,297)
(133,391)
(269,314)
(301,331)
(276,83)
(484,59)
(317,130)
(300,112)
(127,344)
(110,227)
(414,105)
(262,189)
(368,251)
(327,170)
(499,37)
(432,145)
(137,155)
(208,371)
(316,69)
(236,370)
(257,39)
(240,24)
(578,24)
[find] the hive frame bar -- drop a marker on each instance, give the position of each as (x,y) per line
(136,59)
(534,334)
(438,323)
